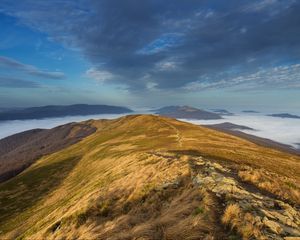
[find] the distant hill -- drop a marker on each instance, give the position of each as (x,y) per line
(2,109)
(222,112)
(250,111)
(187,113)
(284,115)
(60,111)
(150,177)
(230,126)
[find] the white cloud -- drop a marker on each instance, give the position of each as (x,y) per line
(99,75)
(285,76)
(243,30)
(260,5)
(151,85)
(29,69)
(167,65)
(283,130)
(272,6)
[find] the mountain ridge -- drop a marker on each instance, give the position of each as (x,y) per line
(153,177)
(187,112)
(51,111)
(284,115)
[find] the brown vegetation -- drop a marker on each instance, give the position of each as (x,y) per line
(283,187)
(243,223)
(19,151)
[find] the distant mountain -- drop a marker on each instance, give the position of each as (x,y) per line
(60,111)
(222,112)
(3,109)
(229,126)
(187,112)
(250,111)
(284,115)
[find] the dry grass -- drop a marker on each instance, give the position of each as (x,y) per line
(243,223)
(115,191)
(158,214)
(232,215)
(283,187)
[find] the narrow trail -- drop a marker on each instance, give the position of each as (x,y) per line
(178,134)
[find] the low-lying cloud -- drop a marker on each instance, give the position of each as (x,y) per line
(8,128)
(283,130)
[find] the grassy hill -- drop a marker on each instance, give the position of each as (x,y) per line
(151,177)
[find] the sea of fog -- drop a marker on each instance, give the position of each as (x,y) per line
(8,128)
(284,130)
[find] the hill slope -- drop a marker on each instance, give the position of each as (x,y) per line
(150,177)
(19,151)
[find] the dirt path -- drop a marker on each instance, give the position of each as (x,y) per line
(177,133)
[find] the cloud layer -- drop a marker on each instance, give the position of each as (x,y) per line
(278,129)
(29,69)
(283,130)
(172,44)
(8,82)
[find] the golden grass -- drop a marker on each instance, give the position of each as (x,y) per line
(147,217)
(283,187)
(243,223)
(232,215)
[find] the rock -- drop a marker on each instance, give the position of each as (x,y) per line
(267,213)
(219,167)
(273,226)
(283,219)
(198,162)
(274,218)
(290,223)
(229,181)
(291,231)
(174,185)
(269,204)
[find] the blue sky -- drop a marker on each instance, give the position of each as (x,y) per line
(225,54)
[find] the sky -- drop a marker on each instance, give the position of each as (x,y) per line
(233,54)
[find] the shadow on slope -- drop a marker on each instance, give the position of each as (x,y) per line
(19,151)
(30,187)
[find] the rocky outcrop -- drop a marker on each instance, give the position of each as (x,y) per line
(271,218)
